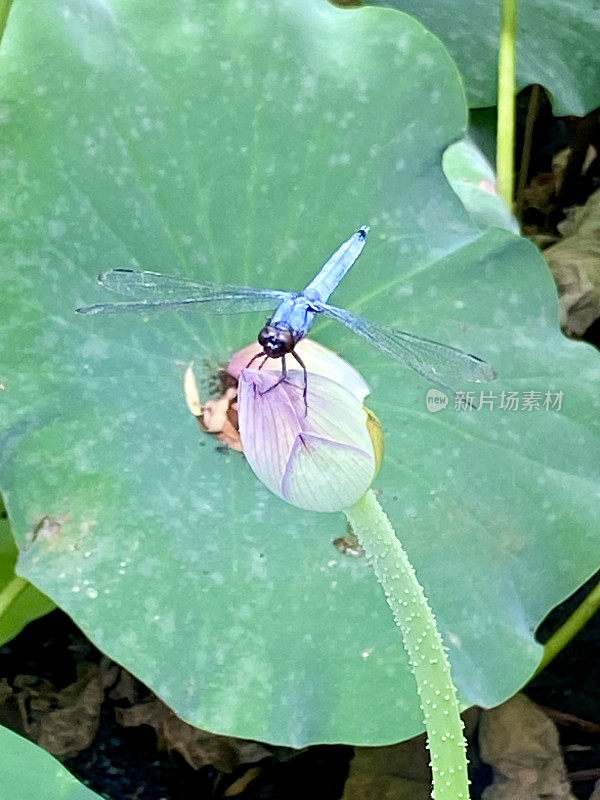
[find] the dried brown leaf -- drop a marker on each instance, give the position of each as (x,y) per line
(396,772)
(575,264)
(124,689)
(5,690)
(196,746)
(521,745)
(541,192)
(66,721)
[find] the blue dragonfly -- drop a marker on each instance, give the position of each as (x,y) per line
(443,365)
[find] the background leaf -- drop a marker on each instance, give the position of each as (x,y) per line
(20,601)
(473,179)
(243,143)
(26,768)
(555,46)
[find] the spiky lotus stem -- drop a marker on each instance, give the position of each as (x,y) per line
(423,643)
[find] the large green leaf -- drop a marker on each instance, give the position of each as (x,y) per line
(556,46)
(242,142)
(29,773)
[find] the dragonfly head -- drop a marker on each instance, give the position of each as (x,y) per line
(276,342)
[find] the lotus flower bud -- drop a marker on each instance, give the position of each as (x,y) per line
(321,456)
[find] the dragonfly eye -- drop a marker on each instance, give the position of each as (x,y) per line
(276,342)
(264,335)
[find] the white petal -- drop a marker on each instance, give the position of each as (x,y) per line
(326,476)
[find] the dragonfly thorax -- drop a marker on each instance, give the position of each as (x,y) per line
(276,342)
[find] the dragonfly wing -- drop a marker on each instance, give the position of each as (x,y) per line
(439,363)
(155,292)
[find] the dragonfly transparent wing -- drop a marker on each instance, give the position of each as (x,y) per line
(156,292)
(439,363)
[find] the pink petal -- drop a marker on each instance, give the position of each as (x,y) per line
(322,460)
(268,426)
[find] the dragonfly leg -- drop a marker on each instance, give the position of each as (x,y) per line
(253,359)
(305,390)
(281,379)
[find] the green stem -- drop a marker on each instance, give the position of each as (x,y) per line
(568,630)
(10,593)
(423,644)
(506,102)
(4,9)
